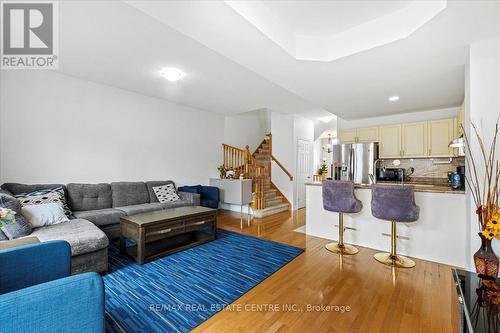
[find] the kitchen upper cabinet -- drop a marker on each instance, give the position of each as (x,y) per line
(390,141)
(368,134)
(347,135)
(414,139)
(440,133)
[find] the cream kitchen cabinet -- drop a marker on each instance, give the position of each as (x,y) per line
(419,139)
(440,133)
(347,136)
(414,139)
(367,134)
(390,141)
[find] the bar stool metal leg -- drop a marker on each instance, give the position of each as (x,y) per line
(392,259)
(340,247)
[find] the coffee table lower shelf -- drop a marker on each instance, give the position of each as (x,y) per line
(166,246)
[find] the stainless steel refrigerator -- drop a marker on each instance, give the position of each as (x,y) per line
(354,162)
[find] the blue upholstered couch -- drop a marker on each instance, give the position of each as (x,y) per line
(38,293)
(209,195)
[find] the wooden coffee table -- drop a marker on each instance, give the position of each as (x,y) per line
(164,232)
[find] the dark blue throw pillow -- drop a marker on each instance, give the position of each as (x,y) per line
(189,189)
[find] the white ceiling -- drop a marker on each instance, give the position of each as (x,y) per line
(426,69)
(233,67)
(360,27)
(325,18)
(115,44)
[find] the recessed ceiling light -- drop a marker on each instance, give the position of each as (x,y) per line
(393,98)
(172,74)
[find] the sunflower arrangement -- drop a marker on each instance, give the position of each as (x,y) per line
(492,228)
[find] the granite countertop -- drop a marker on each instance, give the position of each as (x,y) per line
(430,188)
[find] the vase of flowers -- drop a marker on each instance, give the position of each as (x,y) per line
(222,171)
(483,179)
(6,216)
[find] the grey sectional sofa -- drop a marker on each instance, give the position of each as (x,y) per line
(97,209)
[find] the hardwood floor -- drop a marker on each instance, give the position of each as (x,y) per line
(380,300)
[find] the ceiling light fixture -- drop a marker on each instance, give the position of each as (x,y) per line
(172,74)
(393,98)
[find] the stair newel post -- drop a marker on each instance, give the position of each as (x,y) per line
(224,154)
(247,161)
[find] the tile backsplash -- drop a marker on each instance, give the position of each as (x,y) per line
(427,167)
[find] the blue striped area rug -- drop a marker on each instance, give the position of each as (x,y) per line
(179,292)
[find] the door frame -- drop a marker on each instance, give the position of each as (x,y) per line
(311,166)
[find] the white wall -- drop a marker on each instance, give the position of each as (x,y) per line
(248,128)
(400,118)
(483,108)
(321,127)
(282,128)
(55,128)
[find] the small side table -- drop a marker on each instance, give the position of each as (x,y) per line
(235,192)
(18,242)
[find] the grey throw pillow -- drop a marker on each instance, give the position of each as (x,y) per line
(45,196)
(20,227)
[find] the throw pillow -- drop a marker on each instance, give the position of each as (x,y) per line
(45,196)
(166,193)
(44,214)
(18,228)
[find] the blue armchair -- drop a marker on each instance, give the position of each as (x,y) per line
(209,195)
(38,293)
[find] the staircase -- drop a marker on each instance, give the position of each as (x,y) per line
(267,199)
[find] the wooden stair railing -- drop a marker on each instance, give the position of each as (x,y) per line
(234,158)
(242,161)
(282,167)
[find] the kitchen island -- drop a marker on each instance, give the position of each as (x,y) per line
(438,235)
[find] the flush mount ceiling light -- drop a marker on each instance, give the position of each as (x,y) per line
(172,74)
(393,98)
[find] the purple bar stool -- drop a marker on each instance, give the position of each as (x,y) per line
(395,203)
(338,196)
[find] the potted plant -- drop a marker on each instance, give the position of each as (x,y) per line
(222,171)
(483,179)
(323,169)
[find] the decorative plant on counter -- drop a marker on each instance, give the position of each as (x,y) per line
(485,187)
(222,171)
(6,216)
(323,169)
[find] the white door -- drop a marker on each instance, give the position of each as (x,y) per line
(304,169)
